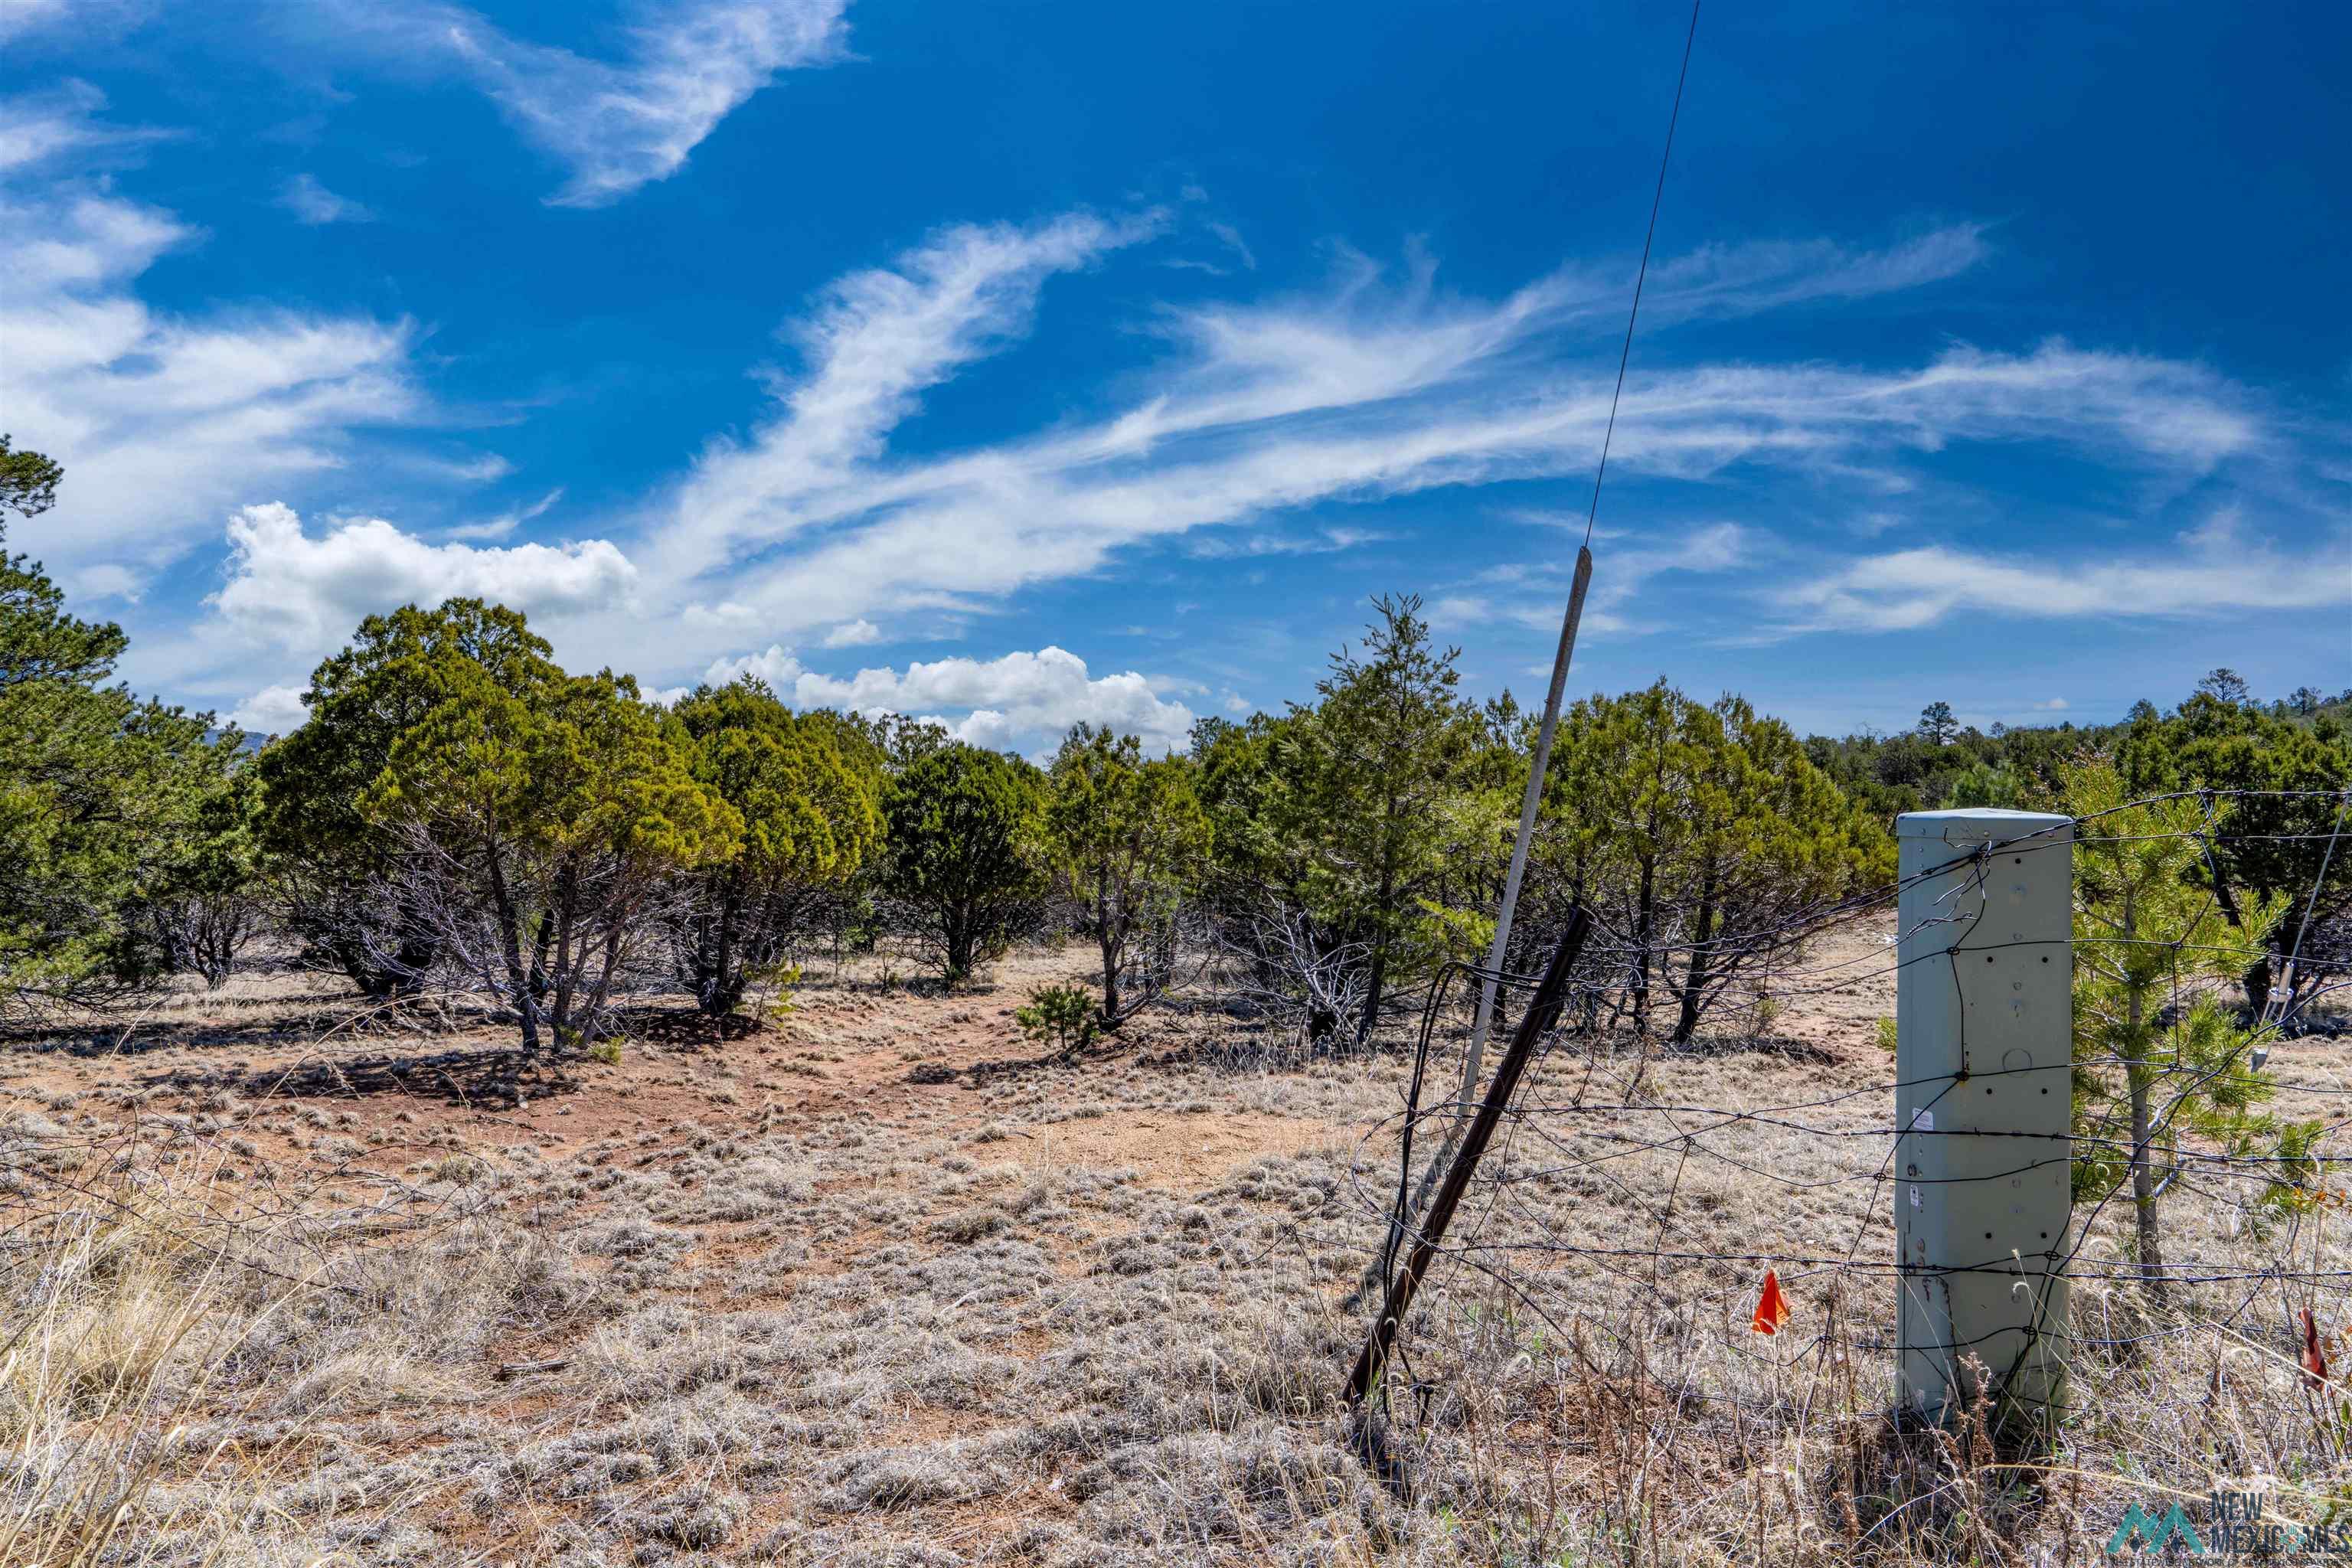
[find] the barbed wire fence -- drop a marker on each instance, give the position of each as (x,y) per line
(1719,1236)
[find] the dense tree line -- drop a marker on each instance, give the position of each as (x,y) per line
(118,817)
(459,812)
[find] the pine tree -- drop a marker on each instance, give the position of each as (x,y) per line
(2287,788)
(1376,785)
(99,792)
(2158,1059)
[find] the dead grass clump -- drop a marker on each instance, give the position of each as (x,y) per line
(633,1235)
(891,1479)
(120,1330)
(1262,1488)
(971,1225)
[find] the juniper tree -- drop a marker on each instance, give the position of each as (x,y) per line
(812,817)
(541,818)
(1375,784)
(207,905)
(1705,837)
(336,870)
(1129,836)
(1259,888)
(966,857)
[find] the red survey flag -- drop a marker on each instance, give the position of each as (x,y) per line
(2315,1365)
(1771,1307)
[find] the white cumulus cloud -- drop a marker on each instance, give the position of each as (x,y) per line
(306,591)
(1023,701)
(272,710)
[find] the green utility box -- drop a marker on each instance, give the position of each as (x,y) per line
(1984,1050)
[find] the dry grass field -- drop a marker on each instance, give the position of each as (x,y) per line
(870,1286)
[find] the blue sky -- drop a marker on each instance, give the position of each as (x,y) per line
(1029,362)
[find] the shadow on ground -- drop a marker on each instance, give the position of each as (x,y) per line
(474,1080)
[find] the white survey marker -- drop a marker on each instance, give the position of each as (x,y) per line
(1984,1055)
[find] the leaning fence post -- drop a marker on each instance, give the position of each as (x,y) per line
(1983,1102)
(1543,1011)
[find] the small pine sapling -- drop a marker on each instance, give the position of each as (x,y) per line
(1063,1016)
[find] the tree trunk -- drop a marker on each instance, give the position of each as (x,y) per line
(2151,1244)
(541,939)
(1109,945)
(701,960)
(1111,936)
(1695,978)
(568,962)
(510,945)
(1377,980)
(727,970)
(384,981)
(2139,1081)
(593,1010)
(2257,980)
(1645,917)
(376,982)
(958,942)
(717,977)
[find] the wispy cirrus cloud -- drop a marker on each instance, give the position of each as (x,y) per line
(2218,568)
(1370,388)
(313,205)
(1769,275)
(1267,541)
(37,127)
(965,529)
(875,341)
(162,419)
(80,20)
(507,521)
(1262,409)
(1533,593)
(615,124)
(1368,391)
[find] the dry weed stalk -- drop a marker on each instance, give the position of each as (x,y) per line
(121,1333)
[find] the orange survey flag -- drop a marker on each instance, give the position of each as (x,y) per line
(1772,1308)
(2315,1365)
